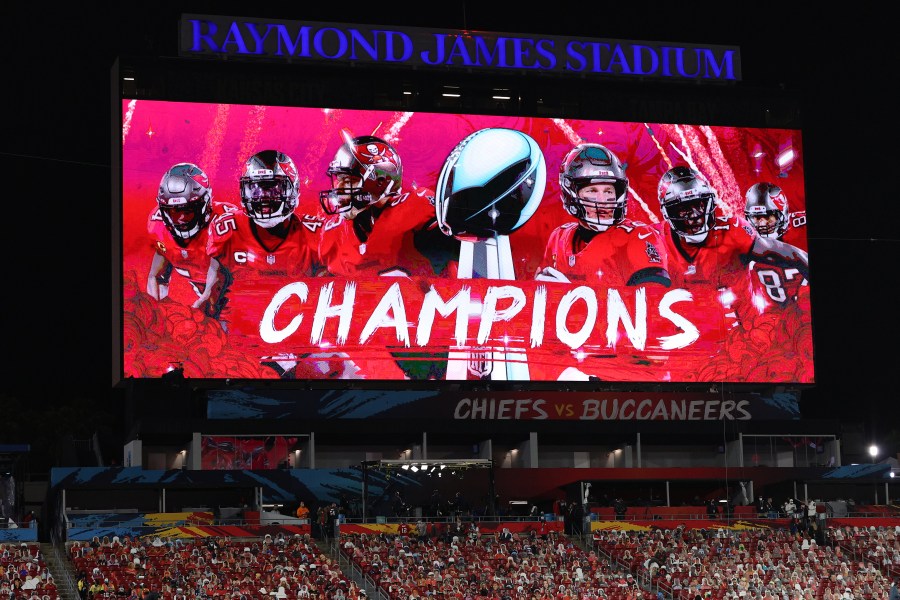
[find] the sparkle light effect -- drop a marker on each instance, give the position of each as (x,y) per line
(785,158)
(252,131)
(572,137)
(659,147)
(150,133)
(640,201)
(126,121)
(704,154)
(394,127)
(729,193)
(760,303)
(727,297)
(212,149)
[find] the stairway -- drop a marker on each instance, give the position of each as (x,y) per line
(61,569)
(352,571)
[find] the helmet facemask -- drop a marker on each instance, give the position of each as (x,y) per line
(185,220)
(588,165)
(267,202)
(595,214)
(691,218)
(687,202)
(351,194)
(769,223)
(767,210)
(365,171)
(269,188)
(185,200)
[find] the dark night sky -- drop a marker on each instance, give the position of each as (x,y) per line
(57,135)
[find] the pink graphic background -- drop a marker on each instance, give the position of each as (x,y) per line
(218,137)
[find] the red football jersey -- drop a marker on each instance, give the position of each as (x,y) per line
(188,258)
(719,264)
(717,261)
(630,253)
(776,285)
(389,247)
(249,251)
(255,262)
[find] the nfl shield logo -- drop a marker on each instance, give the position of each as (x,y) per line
(362,248)
(480,364)
(270,258)
(571,260)
(184,253)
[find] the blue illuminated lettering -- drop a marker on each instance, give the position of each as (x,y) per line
(391,38)
(341,40)
(291,46)
(357,38)
(575,61)
(438,56)
(459,50)
(545,49)
(618,59)
(521,52)
(639,53)
(679,63)
(714,69)
(482,50)
(199,38)
(323,41)
(259,39)
(234,38)
(666,61)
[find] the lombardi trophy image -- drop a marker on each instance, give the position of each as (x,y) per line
(491,184)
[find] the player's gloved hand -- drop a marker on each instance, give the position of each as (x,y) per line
(551,274)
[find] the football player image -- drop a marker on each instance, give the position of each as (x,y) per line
(602,246)
(265,244)
(375,227)
(768,211)
(178,226)
(267,239)
(706,247)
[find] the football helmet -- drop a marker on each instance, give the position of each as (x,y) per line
(588,164)
(767,209)
(365,170)
(687,203)
(269,188)
(491,184)
(185,200)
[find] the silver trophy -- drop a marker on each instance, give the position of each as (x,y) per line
(491,184)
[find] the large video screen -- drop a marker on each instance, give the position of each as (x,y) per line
(269,242)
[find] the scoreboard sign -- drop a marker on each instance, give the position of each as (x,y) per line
(271,242)
(243,38)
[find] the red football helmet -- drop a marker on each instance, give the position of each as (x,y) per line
(365,170)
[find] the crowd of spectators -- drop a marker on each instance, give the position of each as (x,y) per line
(466,565)
(455,560)
(273,568)
(24,574)
(759,563)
